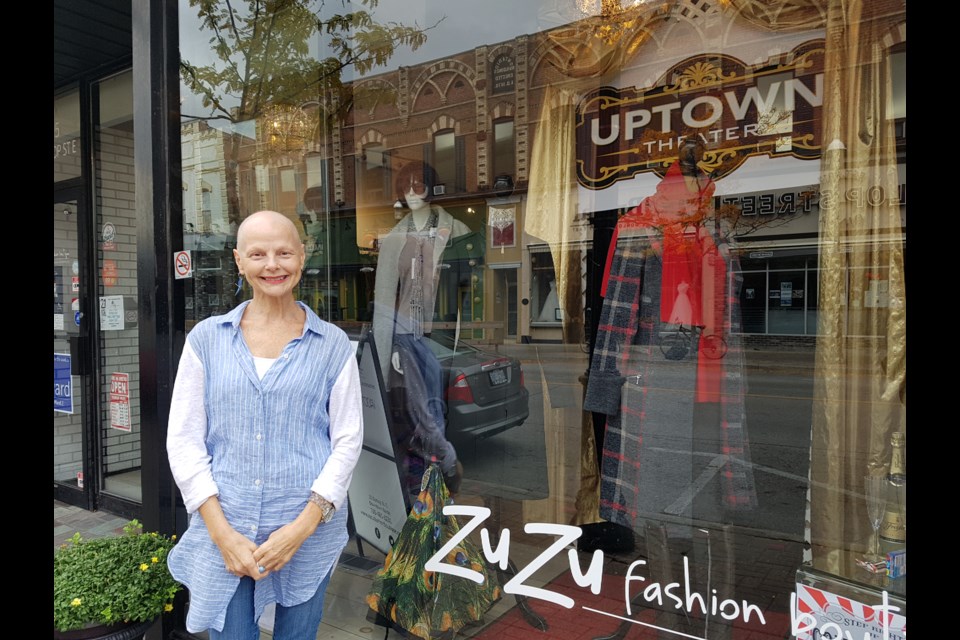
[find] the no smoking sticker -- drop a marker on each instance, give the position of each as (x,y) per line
(182,265)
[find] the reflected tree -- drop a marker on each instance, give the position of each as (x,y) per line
(266,54)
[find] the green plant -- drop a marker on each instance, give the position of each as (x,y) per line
(112,580)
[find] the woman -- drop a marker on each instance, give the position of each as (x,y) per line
(265,431)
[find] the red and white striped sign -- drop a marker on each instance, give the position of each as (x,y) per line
(839,617)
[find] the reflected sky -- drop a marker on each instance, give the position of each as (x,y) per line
(464,24)
(453,26)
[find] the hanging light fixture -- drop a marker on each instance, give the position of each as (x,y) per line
(286,128)
(614,18)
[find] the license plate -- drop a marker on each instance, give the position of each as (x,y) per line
(498,376)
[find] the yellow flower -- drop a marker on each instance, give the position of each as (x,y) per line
(154,559)
(76,602)
(168,607)
(173,537)
(153,533)
(144,566)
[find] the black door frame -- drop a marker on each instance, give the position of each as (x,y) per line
(82,361)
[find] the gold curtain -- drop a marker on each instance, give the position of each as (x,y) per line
(551,216)
(860,374)
(552,200)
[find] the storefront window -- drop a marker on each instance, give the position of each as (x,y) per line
(503,148)
(544,299)
(116,223)
(66,136)
(633,271)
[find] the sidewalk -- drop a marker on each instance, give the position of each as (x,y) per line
(68,520)
(344,599)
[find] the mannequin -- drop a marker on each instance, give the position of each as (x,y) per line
(667,267)
(550,305)
(408,272)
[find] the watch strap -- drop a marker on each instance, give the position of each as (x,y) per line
(326,507)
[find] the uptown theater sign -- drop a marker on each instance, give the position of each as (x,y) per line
(740,111)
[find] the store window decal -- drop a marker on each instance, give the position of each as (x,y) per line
(685,595)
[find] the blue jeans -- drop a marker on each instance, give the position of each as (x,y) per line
(424,404)
(299,622)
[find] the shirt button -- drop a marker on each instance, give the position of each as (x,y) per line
(259,436)
(257,482)
(287,356)
(253,529)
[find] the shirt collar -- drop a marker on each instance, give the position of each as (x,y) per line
(313,323)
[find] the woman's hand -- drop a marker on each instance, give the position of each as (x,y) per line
(237,550)
(283,543)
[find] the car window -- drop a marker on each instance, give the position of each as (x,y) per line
(443,345)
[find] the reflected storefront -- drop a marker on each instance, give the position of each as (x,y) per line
(676,230)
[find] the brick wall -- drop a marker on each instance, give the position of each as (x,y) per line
(119,348)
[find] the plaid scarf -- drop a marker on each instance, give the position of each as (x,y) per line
(627,347)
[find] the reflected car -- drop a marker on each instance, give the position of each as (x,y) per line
(484,391)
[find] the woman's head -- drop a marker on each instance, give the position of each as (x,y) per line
(269,254)
(417,179)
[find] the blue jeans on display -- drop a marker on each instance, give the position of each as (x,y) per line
(423,386)
(428,387)
(299,622)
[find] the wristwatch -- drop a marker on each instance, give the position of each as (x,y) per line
(326,507)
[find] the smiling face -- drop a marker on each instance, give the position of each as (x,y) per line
(269,254)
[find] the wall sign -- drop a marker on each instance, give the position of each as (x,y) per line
(738,110)
(109,237)
(377,500)
(62,383)
(109,272)
(111,313)
(821,614)
(58,298)
(120,401)
(502,222)
(504,72)
(182,265)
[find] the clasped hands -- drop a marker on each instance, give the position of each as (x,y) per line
(245,558)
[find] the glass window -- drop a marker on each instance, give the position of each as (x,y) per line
(697,211)
(544,299)
(445,159)
(375,186)
(787,302)
(503,148)
(116,217)
(753,302)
